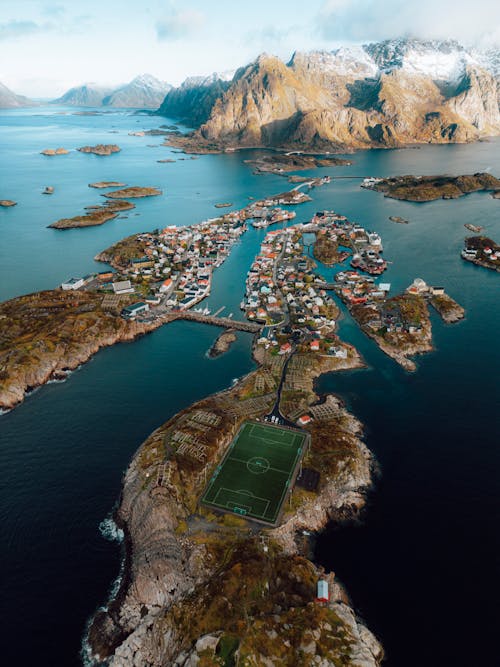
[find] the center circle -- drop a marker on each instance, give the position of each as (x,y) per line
(257,465)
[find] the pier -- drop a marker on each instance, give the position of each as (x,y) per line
(226,322)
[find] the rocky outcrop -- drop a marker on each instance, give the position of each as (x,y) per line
(448,308)
(100,149)
(382,95)
(94,215)
(55,151)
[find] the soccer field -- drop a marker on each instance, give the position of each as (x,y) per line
(256,473)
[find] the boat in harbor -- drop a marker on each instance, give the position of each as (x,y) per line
(473,228)
(224,204)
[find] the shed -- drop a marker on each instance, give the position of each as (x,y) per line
(322,594)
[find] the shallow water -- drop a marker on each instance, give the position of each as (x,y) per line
(421,569)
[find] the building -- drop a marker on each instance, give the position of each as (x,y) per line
(73,283)
(123,287)
(131,312)
(322,591)
(305,419)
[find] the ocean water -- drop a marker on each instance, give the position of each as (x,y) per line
(423,565)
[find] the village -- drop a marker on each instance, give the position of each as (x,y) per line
(171,269)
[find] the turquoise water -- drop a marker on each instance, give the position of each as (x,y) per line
(428,547)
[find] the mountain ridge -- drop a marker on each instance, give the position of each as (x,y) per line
(10,100)
(144,91)
(382,94)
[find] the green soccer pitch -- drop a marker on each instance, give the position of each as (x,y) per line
(257,471)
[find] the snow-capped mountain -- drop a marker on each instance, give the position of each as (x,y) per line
(388,93)
(143,92)
(87,95)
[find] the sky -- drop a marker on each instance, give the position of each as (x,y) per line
(49,46)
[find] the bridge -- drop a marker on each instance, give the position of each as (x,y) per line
(326,286)
(226,322)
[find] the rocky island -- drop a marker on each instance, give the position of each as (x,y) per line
(55,151)
(100,149)
(106,184)
(95,215)
(222,344)
(281,163)
(430,188)
(482,251)
(133,192)
(400,326)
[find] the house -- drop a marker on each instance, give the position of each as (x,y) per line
(167,286)
(131,312)
(437,291)
(123,287)
(72,284)
(314,345)
(305,419)
(286,348)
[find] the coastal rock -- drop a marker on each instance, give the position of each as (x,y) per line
(55,151)
(222,344)
(133,192)
(106,184)
(95,215)
(100,149)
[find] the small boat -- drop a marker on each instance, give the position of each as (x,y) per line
(48,190)
(396,218)
(473,228)
(224,204)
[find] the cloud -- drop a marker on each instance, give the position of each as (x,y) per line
(365,20)
(15,29)
(179,24)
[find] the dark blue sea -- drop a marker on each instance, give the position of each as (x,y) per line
(422,567)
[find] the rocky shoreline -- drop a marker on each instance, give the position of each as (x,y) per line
(449,310)
(57,345)
(190,576)
(94,215)
(429,188)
